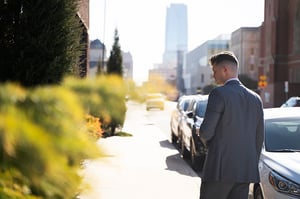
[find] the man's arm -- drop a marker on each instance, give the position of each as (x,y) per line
(260,132)
(214,110)
(203,140)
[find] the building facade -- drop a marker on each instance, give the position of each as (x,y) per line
(97,57)
(176,33)
(245,43)
(197,71)
(127,66)
(176,45)
(279,56)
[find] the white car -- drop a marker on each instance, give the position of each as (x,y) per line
(279,164)
(291,102)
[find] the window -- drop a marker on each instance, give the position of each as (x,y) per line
(202,78)
(282,134)
(295,75)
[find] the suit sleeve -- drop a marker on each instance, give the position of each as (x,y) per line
(260,131)
(214,111)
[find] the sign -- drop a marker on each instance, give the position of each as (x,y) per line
(262,82)
(286,86)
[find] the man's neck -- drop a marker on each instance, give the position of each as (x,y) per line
(230,79)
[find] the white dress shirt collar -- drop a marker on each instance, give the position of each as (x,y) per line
(231,79)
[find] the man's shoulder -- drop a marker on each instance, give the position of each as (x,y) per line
(251,92)
(253,95)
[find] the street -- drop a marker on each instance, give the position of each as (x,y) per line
(145,165)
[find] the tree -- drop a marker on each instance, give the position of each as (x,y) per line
(208,88)
(114,64)
(114,67)
(248,82)
(39,40)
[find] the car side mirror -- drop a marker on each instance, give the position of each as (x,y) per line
(190,114)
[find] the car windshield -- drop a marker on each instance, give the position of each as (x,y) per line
(154,96)
(186,104)
(282,135)
(201,108)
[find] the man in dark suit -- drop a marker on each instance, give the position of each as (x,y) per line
(233,131)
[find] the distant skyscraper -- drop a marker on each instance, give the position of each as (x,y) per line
(127,65)
(176,34)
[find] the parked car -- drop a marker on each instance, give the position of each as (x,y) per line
(191,145)
(292,102)
(279,163)
(155,100)
(177,115)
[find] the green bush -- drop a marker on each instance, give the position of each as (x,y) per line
(43,140)
(46,133)
(106,98)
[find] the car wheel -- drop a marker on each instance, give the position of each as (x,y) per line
(179,141)
(193,155)
(183,151)
(173,138)
(258,193)
(196,160)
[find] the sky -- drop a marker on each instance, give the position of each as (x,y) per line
(141,25)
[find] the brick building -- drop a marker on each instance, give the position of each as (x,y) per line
(279,57)
(83,15)
(245,43)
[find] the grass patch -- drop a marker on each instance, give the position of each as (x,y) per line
(121,134)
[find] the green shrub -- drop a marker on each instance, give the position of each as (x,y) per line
(106,98)
(43,140)
(93,126)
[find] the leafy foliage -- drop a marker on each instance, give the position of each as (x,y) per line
(106,101)
(248,82)
(206,89)
(158,84)
(94,126)
(39,40)
(43,140)
(114,64)
(134,92)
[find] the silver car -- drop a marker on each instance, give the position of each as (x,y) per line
(279,164)
(177,115)
(191,145)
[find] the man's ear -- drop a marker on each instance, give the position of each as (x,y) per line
(225,69)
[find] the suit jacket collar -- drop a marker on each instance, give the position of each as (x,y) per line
(232,81)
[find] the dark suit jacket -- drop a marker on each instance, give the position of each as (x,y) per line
(233,128)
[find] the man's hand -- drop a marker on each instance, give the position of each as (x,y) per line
(202,140)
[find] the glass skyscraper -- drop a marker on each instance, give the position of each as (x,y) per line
(176,34)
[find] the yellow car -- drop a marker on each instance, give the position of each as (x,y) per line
(155,100)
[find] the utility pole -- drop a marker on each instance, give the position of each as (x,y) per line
(104,21)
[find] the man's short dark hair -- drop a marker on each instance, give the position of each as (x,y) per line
(223,56)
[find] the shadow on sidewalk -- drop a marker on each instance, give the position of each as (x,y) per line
(166,144)
(176,163)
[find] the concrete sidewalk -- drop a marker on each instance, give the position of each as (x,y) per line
(144,166)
